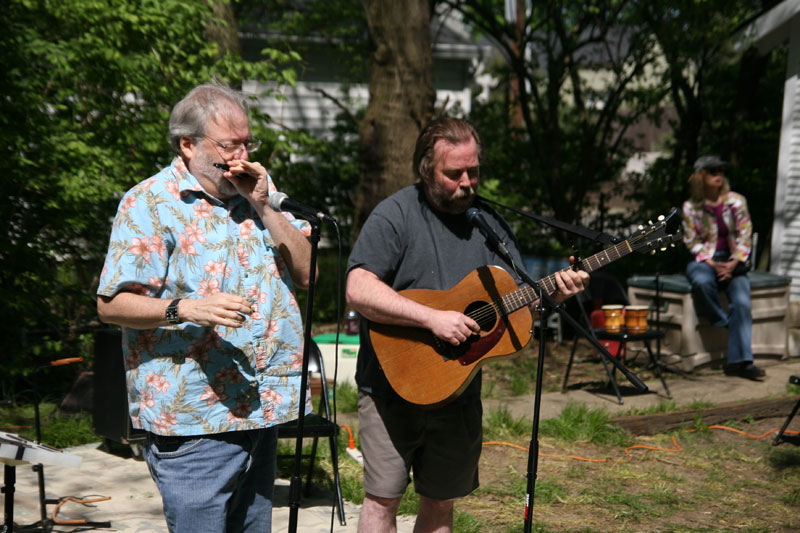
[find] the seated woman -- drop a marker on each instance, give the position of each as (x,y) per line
(718,232)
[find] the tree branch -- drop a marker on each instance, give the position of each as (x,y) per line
(338,103)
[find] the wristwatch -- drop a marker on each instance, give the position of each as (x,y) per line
(171,315)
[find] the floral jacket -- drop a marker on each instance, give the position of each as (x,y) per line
(700,227)
(172,240)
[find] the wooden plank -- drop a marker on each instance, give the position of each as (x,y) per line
(661,422)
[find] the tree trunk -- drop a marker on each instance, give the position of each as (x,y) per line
(223,30)
(517,51)
(401,99)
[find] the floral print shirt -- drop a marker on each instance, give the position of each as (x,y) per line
(700,227)
(172,240)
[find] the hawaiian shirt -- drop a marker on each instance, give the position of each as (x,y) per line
(170,239)
(700,227)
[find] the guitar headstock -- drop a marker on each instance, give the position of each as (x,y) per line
(659,235)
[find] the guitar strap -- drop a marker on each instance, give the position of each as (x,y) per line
(580,231)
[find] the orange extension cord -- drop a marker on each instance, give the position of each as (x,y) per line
(87,501)
(352,451)
(627,450)
(351,442)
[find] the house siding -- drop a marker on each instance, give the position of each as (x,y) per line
(785,256)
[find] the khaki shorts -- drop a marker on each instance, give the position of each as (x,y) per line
(442,446)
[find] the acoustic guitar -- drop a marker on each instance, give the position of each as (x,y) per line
(429,372)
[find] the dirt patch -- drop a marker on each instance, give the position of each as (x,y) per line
(712,479)
(709,479)
(705,479)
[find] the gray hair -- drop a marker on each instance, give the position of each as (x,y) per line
(190,116)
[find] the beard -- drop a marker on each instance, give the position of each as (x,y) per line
(204,166)
(453,203)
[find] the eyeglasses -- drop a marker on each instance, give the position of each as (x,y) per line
(251,145)
(716,171)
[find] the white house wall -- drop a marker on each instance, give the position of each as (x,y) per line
(305,107)
(785,256)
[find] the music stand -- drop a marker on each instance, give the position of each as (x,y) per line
(38,467)
(17,451)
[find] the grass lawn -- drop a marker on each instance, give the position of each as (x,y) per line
(592,475)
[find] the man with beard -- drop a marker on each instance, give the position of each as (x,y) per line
(420,238)
(200,274)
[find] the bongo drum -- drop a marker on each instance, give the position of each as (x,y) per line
(636,318)
(614,318)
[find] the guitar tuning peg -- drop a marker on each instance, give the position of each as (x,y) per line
(663,248)
(660,218)
(652,252)
(641,227)
(650,222)
(672,245)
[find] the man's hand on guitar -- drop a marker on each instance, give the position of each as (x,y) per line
(452,326)
(570,282)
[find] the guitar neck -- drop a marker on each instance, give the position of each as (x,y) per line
(525,295)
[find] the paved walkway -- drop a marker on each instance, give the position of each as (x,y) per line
(136,506)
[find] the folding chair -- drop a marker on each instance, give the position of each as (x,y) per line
(781,437)
(316,425)
(605,290)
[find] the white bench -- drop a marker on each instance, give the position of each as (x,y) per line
(693,338)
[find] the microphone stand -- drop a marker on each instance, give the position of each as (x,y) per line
(548,304)
(586,233)
(296,482)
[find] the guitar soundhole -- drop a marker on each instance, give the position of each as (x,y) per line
(484,314)
(486,317)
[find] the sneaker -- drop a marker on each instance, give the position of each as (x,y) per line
(744,370)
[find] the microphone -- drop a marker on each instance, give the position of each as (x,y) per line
(280,201)
(477,219)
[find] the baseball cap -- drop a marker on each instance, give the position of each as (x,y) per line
(708,161)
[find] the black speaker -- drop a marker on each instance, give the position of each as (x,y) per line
(110,416)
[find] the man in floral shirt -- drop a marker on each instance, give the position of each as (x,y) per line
(201,273)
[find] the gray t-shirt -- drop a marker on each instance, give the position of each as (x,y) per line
(408,245)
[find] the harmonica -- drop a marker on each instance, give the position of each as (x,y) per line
(223,166)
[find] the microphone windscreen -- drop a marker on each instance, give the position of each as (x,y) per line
(276,199)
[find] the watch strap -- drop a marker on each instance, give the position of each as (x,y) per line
(171,314)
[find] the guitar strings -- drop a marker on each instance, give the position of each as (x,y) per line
(485,315)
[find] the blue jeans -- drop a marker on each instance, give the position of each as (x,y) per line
(216,483)
(738,319)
